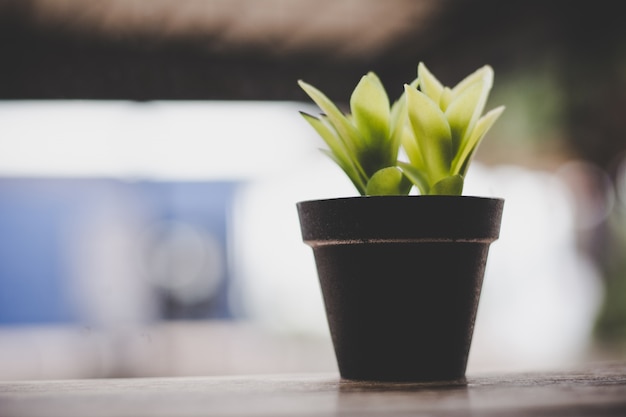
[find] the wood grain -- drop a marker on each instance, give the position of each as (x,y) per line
(598,390)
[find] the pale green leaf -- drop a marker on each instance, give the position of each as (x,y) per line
(338,151)
(330,136)
(468,102)
(416,176)
(350,171)
(429,85)
(388,181)
(464,111)
(399,122)
(465,154)
(452,185)
(412,150)
(370,110)
(349,150)
(340,122)
(398,131)
(445,99)
(326,132)
(484,74)
(431,131)
(400,103)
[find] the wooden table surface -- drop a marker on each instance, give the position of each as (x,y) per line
(597,390)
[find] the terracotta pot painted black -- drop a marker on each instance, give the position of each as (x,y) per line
(401,277)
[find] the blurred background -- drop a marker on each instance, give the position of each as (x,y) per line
(151,155)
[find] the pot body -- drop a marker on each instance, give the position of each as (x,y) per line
(401,279)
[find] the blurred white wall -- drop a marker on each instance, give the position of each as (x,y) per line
(540,294)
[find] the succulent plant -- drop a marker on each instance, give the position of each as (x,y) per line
(439,129)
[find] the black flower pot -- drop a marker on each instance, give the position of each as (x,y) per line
(401,277)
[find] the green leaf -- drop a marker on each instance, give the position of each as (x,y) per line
(462,92)
(439,128)
(452,185)
(351,153)
(428,83)
(334,142)
(338,152)
(345,129)
(399,122)
(412,150)
(370,110)
(461,162)
(431,131)
(327,133)
(350,171)
(484,73)
(445,99)
(463,112)
(388,181)
(400,103)
(416,176)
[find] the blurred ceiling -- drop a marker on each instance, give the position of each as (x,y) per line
(346,28)
(199,49)
(257,49)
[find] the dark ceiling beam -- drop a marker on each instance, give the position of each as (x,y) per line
(52,60)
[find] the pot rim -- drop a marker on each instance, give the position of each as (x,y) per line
(397,219)
(401,197)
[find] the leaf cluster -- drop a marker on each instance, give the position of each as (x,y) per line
(439,129)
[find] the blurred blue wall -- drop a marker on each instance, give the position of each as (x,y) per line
(38,221)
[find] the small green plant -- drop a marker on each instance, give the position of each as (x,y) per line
(439,129)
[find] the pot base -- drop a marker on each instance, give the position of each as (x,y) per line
(401,311)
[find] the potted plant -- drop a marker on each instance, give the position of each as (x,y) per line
(401,274)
